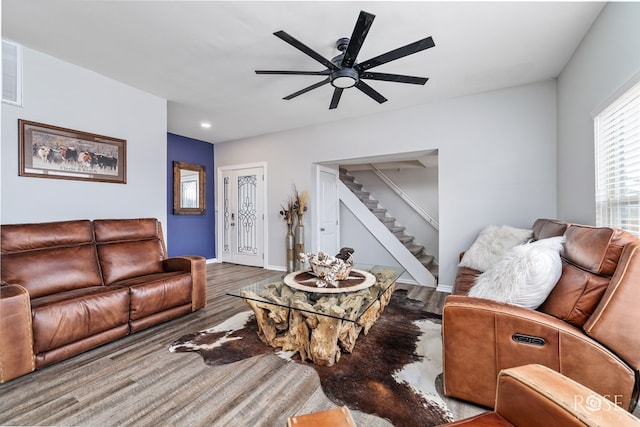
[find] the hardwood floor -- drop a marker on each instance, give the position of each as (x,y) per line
(136,381)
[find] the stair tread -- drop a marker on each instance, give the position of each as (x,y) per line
(435,271)
(346,177)
(415,249)
(351,184)
(427,260)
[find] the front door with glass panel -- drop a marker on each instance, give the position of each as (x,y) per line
(242,216)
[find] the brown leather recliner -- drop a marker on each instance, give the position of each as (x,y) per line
(536,396)
(587,329)
(71,286)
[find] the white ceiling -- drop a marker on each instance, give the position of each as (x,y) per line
(201,55)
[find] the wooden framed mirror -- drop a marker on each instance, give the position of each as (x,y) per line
(188,189)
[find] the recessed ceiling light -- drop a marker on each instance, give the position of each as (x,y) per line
(205,125)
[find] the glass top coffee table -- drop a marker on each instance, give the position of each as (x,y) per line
(319,322)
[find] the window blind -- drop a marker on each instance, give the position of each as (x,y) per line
(617,153)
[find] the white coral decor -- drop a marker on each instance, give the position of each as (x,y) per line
(328,268)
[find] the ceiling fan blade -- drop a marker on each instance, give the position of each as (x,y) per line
(307,89)
(305,49)
(396,54)
(336,98)
(370,91)
(357,38)
(398,78)
(300,73)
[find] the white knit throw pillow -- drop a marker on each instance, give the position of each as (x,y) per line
(525,276)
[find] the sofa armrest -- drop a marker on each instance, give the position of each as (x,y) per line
(536,392)
(465,279)
(16,338)
(196,265)
(482,337)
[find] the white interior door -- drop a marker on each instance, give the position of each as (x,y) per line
(242,216)
(328,208)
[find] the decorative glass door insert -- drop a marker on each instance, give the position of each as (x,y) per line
(243,216)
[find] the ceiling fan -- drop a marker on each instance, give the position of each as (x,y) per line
(344,72)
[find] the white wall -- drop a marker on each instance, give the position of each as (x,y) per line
(368,249)
(607,58)
(61,94)
(497,161)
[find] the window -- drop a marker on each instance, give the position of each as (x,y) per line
(617,153)
(11,73)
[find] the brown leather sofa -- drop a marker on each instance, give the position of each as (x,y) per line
(536,396)
(71,286)
(587,329)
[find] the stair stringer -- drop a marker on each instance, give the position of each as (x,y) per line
(405,258)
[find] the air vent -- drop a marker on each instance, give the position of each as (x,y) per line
(11,73)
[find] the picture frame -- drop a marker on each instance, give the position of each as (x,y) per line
(47,151)
(189,182)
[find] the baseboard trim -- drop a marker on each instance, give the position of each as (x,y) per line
(445,288)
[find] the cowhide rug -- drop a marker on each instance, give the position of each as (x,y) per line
(391,372)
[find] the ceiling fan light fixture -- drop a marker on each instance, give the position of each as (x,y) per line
(342,71)
(344,78)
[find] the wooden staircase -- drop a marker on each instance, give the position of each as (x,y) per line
(427,260)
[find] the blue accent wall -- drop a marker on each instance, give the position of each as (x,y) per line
(191,234)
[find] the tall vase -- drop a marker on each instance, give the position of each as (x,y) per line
(299,243)
(290,244)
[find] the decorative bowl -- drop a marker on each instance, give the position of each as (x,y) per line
(329,268)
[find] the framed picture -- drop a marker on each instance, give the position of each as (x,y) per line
(53,152)
(188,189)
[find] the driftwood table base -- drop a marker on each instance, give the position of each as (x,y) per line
(318,328)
